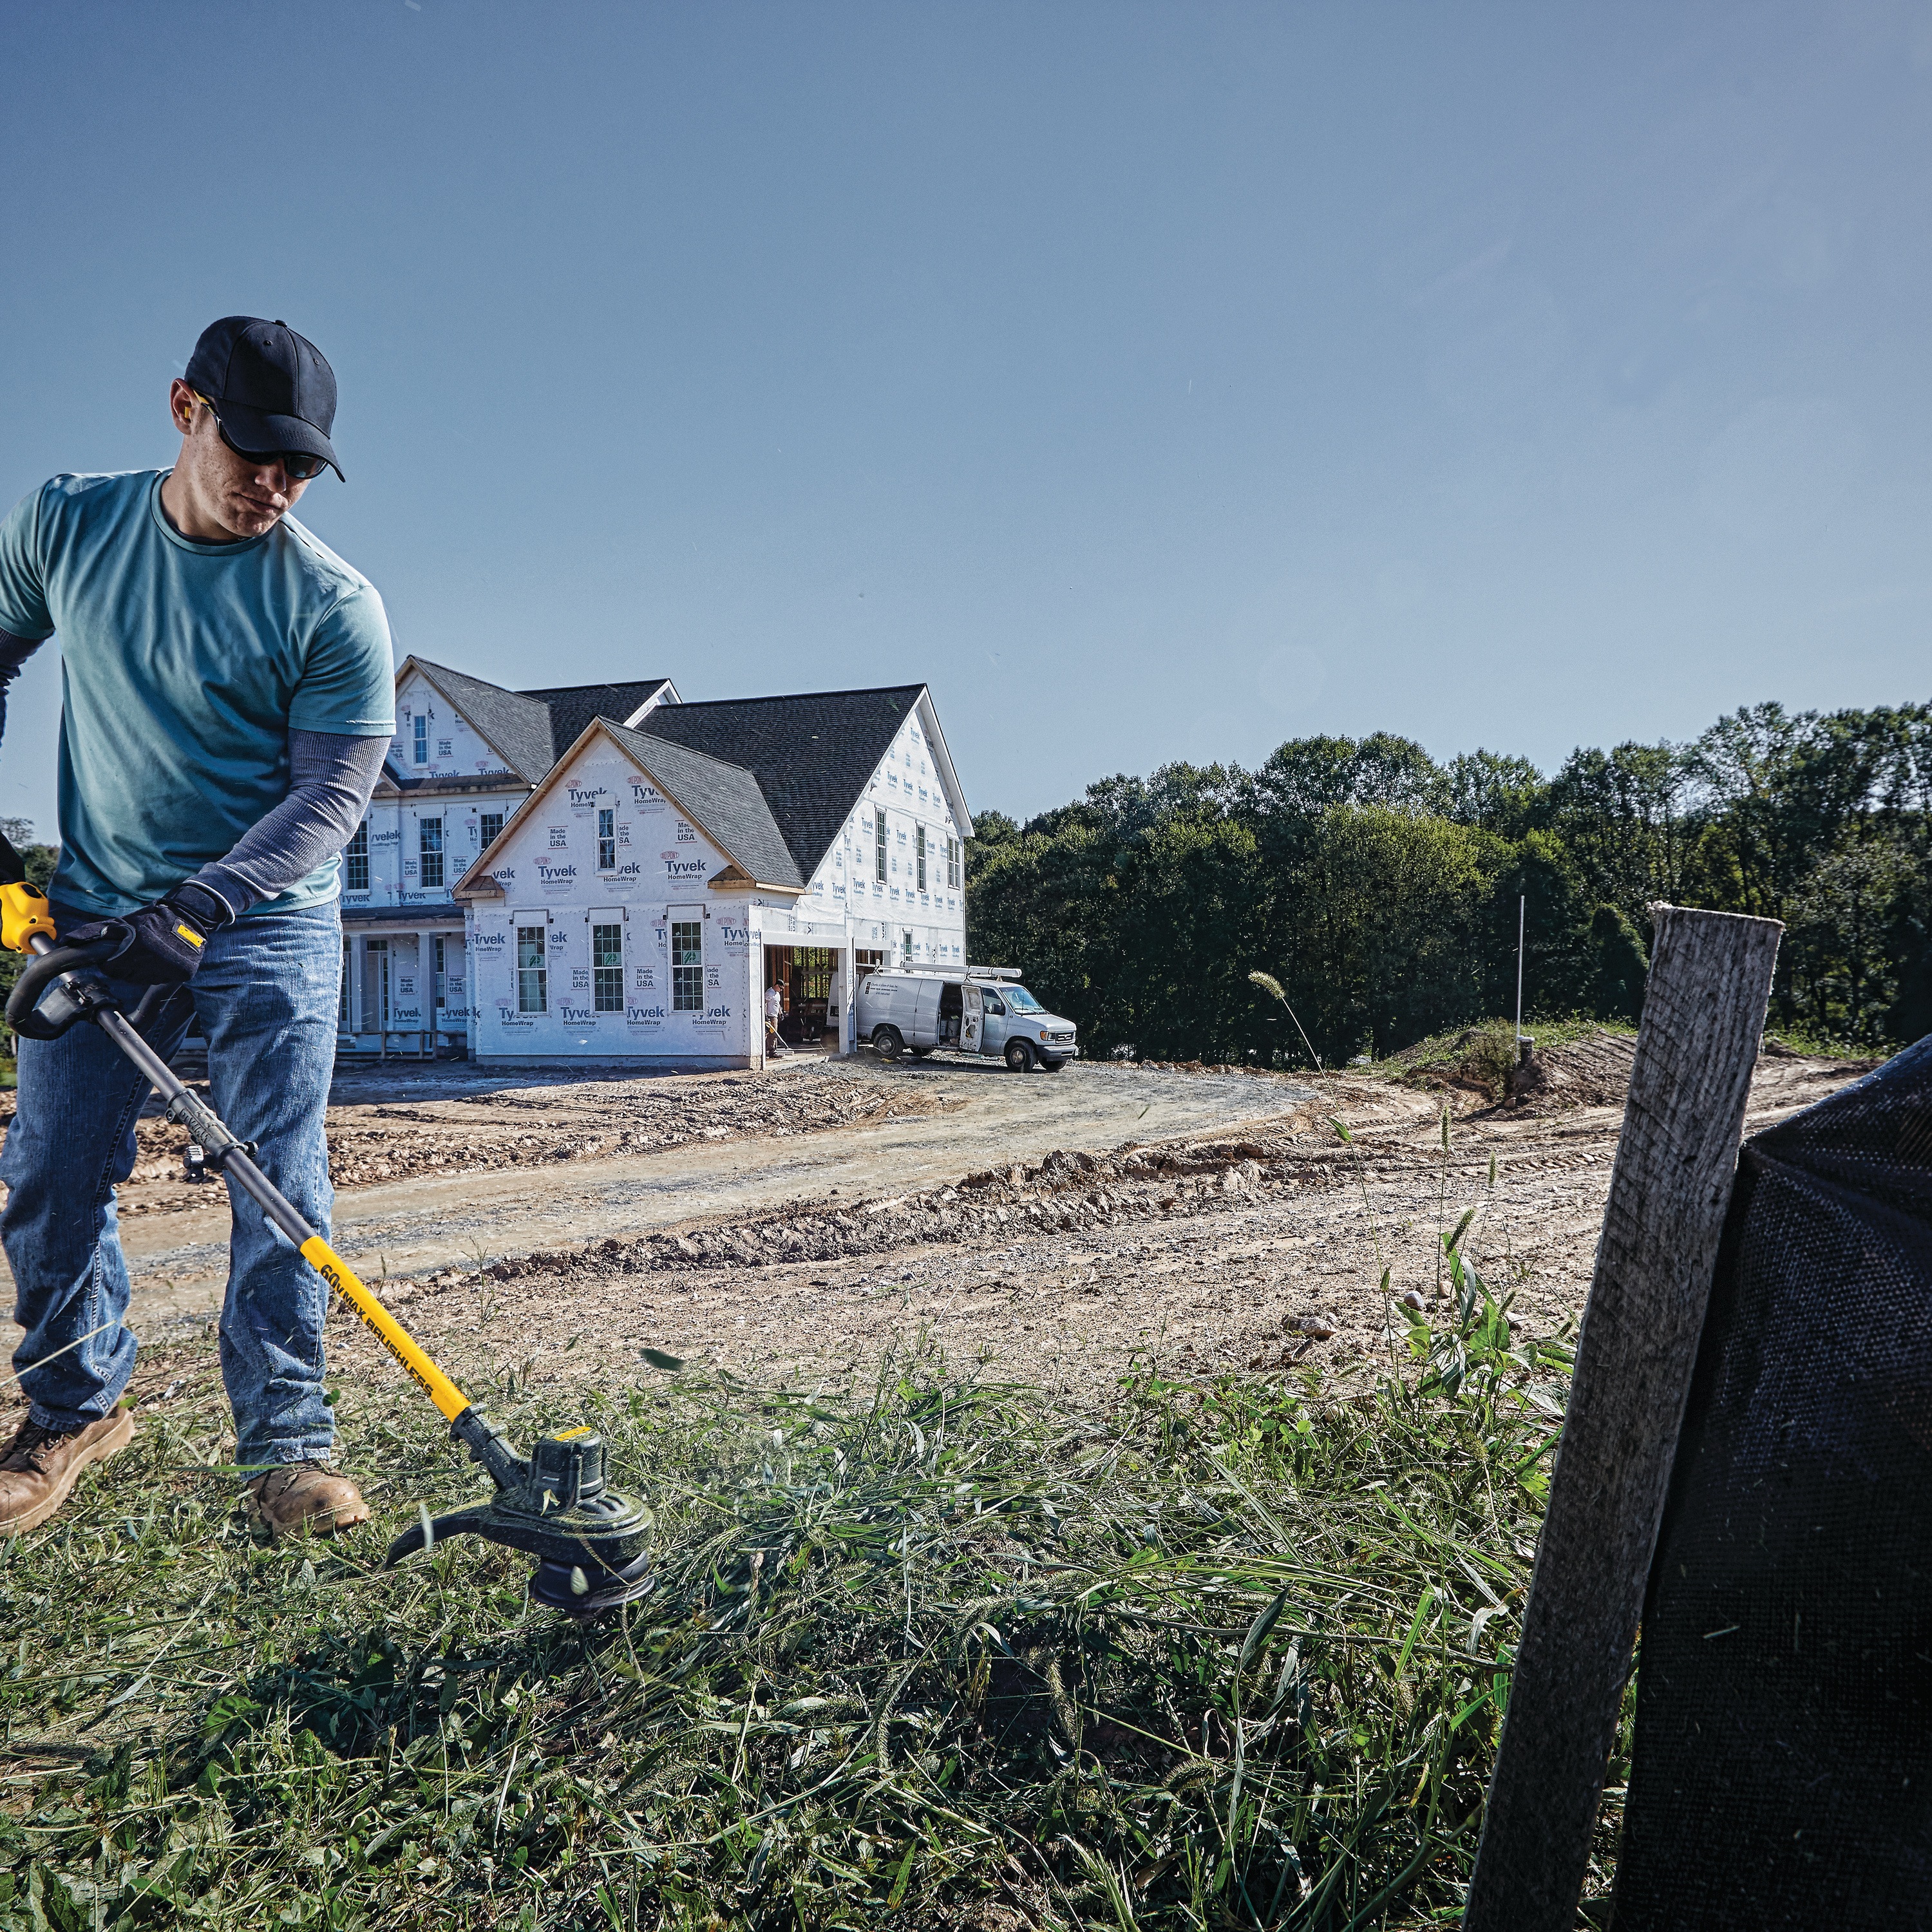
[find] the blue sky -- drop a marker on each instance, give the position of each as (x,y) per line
(1154,382)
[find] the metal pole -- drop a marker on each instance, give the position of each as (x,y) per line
(1522,900)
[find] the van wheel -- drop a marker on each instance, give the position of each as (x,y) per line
(1019,1056)
(918,1052)
(887,1041)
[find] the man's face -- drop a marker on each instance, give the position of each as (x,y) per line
(243,496)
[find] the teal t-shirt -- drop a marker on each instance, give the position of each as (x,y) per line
(183,667)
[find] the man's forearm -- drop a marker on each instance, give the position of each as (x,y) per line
(14,652)
(330,779)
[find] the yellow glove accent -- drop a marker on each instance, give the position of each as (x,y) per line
(24,911)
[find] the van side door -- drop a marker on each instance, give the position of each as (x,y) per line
(971,1017)
(993,1025)
(924,1030)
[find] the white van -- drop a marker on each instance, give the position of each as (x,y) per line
(983,1010)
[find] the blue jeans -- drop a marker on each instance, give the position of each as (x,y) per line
(266,1000)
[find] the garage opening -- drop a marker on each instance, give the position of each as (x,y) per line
(805,974)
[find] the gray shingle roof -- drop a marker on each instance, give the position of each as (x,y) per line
(723,798)
(533,729)
(773,779)
(571,707)
(519,727)
(811,753)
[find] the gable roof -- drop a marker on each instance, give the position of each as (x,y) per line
(721,799)
(812,754)
(516,728)
(531,730)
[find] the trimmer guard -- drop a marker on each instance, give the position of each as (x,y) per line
(590,1541)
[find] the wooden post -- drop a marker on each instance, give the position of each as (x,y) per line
(1703,1015)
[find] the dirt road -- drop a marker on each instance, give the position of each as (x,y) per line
(1242,1247)
(1054,1227)
(531,1171)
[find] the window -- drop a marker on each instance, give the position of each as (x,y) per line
(953,864)
(879,844)
(436,950)
(687,966)
(422,741)
(918,854)
(429,843)
(376,986)
(606,964)
(342,1005)
(489,824)
(905,947)
(607,846)
(355,861)
(532,976)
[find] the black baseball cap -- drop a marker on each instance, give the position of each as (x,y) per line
(274,389)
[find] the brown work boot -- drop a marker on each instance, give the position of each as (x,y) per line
(305,1496)
(38,1467)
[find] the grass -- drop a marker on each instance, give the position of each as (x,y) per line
(948,1653)
(1826,1045)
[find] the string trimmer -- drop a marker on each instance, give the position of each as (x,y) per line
(588,1540)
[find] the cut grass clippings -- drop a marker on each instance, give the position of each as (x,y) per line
(945,1653)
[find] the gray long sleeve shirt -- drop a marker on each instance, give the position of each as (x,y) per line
(330,779)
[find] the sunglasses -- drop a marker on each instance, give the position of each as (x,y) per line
(297,464)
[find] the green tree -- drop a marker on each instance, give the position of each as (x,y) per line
(1391,910)
(1383,889)
(1618,965)
(1496,792)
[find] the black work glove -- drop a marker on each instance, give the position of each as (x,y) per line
(162,944)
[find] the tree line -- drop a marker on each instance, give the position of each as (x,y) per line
(1381,888)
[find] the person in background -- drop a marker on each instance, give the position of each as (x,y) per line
(774,1006)
(227,687)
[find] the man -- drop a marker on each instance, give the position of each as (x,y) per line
(774,1013)
(227,687)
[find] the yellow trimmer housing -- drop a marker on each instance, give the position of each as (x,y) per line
(24,911)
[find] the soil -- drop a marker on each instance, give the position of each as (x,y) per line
(1053,1229)
(390,1122)
(1593,1071)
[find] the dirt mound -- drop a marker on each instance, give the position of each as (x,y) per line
(1593,1071)
(1065,1191)
(1477,1060)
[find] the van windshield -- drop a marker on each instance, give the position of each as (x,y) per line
(1020,1001)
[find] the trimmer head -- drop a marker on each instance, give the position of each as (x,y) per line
(589,1541)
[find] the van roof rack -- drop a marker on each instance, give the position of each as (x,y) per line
(993,972)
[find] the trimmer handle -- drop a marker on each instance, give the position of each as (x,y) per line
(67,1006)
